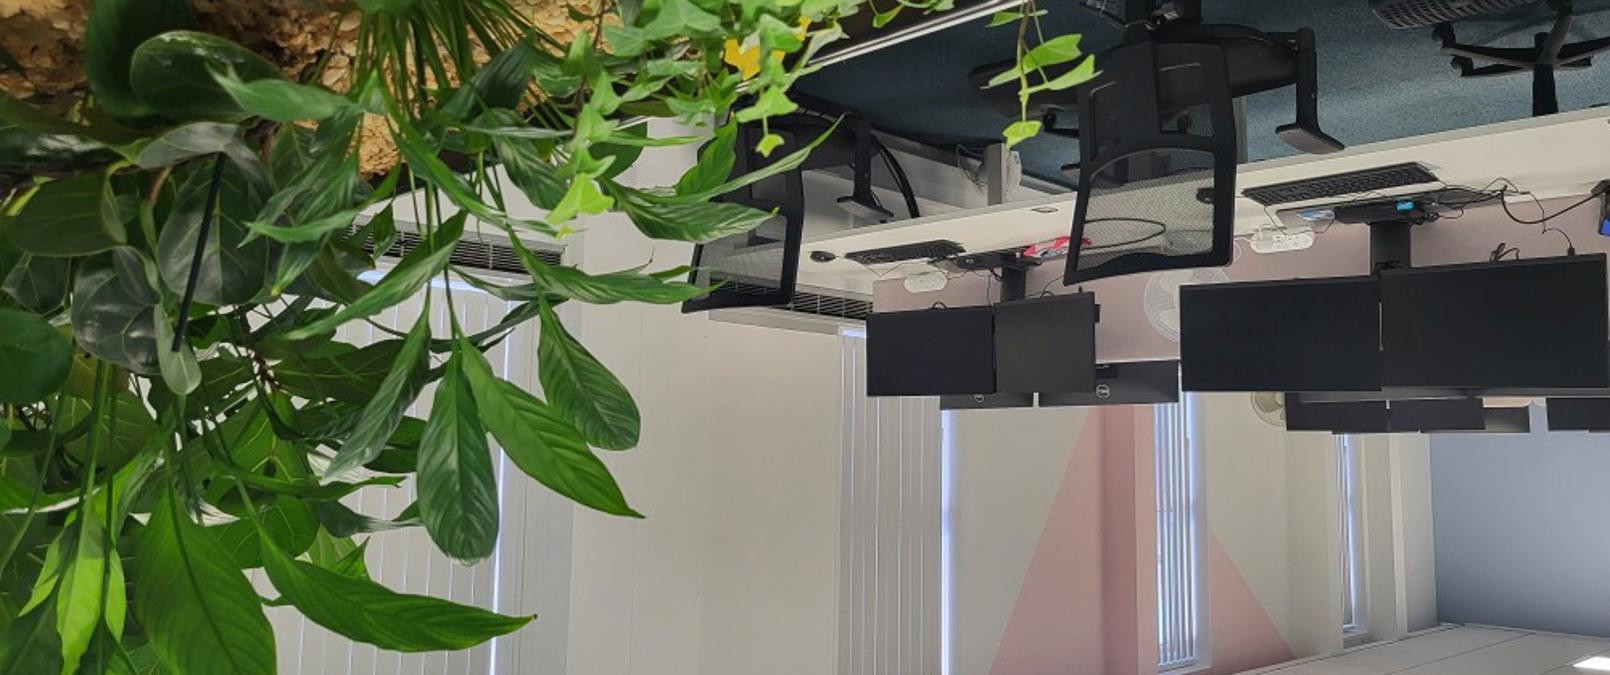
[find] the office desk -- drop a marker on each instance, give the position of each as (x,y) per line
(1554,156)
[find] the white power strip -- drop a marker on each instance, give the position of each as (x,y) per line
(1281,240)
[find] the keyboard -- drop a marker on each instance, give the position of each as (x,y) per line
(923,250)
(1351,183)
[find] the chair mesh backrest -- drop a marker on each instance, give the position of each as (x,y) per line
(1157,164)
(755,268)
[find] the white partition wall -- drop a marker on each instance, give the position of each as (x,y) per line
(889,528)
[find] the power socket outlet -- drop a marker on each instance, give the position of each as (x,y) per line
(1273,240)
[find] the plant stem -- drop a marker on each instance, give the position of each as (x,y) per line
(208,211)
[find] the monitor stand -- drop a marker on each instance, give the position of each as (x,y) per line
(1390,245)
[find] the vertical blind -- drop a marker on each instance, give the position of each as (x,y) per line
(1350,490)
(1178,598)
(528,573)
(890,510)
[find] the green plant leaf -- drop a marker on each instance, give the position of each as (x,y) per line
(282,100)
(233,270)
(540,441)
(197,139)
(197,608)
(501,83)
(106,657)
(714,167)
(683,220)
(1075,76)
(289,521)
(401,283)
(179,368)
(39,284)
(351,376)
(583,390)
(781,165)
(66,218)
(536,178)
(172,73)
(1060,49)
(367,612)
(341,521)
(458,500)
(29,644)
(605,289)
(1020,131)
(112,325)
(422,160)
(394,7)
(680,18)
(28,152)
(90,589)
(34,358)
(384,411)
(883,18)
(582,197)
(114,29)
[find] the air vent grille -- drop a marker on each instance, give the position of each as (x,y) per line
(472,254)
(814,304)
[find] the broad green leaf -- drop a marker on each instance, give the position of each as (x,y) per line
(384,411)
(39,284)
(351,376)
(781,165)
(66,218)
(501,83)
(768,143)
(424,163)
(172,73)
(29,644)
(883,18)
(582,197)
(605,289)
(536,178)
(714,167)
(289,521)
(29,152)
(198,610)
(399,284)
(339,555)
(233,270)
(1060,49)
(1077,75)
(106,656)
(124,429)
(115,28)
(309,231)
(367,612)
(458,499)
(34,358)
(1020,131)
(583,390)
(680,18)
(341,521)
(179,367)
(540,441)
(91,572)
(282,100)
(682,220)
(112,325)
(1003,18)
(197,139)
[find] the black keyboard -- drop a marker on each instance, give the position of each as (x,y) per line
(923,250)
(1352,183)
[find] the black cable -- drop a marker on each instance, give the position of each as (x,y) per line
(1596,194)
(900,178)
(1570,246)
(207,212)
(1161,230)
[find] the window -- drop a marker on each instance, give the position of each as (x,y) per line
(1180,609)
(1348,471)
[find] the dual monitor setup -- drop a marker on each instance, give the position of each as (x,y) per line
(1404,350)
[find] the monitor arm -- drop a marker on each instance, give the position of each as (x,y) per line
(1305,134)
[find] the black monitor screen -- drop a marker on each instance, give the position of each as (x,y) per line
(1579,414)
(1526,323)
(1438,414)
(1046,345)
(931,352)
(1350,417)
(1306,335)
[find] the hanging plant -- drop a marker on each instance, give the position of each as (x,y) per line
(183,229)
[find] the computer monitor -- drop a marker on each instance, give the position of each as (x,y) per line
(1305,335)
(1437,414)
(1579,414)
(1524,323)
(1349,417)
(1046,345)
(931,352)
(1126,383)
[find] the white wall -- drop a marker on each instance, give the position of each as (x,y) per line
(733,571)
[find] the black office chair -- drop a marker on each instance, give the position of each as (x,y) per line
(1257,61)
(1549,52)
(759,268)
(1157,150)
